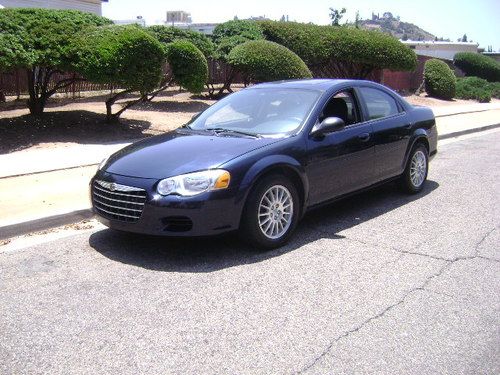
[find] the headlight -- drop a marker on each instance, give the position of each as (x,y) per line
(102,163)
(194,183)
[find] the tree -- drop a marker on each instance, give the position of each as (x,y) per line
(336,15)
(357,20)
(262,60)
(247,29)
(348,52)
(37,40)
(125,56)
(189,66)
(227,36)
(464,38)
(169,34)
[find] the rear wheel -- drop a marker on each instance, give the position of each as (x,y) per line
(415,174)
(271,212)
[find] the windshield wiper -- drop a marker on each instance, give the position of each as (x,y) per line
(223,130)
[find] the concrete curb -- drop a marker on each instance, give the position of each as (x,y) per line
(50,170)
(467,131)
(463,113)
(37,225)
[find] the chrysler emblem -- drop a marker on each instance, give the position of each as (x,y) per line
(112,186)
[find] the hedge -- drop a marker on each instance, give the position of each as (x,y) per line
(189,66)
(439,79)
(475,64)
(262,60)
(247,29)
(126,56)
(169,34)
(357,52)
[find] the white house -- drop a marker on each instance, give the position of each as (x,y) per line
(440,50)
(91,6)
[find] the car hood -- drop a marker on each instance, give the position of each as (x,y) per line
(180,151)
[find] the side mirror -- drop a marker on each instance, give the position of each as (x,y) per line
(327,126)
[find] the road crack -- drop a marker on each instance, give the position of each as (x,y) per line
(408,294)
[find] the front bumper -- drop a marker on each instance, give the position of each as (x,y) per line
(206,214)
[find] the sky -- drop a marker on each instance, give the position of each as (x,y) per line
(479,19)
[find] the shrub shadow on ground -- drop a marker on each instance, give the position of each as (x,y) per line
(83,127)
(216,253)
(171,106)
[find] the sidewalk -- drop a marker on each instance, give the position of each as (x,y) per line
(47,183)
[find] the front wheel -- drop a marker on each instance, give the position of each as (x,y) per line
(271,212)
(415,174)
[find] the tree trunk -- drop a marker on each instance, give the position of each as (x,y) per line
(36,105)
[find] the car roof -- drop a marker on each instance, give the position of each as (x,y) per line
(312,84)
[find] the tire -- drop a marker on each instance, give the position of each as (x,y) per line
(269,228)
(414,177)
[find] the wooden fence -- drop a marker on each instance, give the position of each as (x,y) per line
(16,83)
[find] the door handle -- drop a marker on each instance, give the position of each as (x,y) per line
(364,137)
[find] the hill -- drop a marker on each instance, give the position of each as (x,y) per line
(392,25)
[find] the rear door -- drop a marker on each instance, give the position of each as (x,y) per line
(391,130)
(342,161)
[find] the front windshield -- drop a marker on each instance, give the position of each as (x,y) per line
(259,111)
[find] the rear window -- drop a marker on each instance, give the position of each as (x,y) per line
(378,103)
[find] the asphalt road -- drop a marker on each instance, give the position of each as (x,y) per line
(382,283)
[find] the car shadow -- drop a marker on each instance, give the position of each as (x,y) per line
(215,253)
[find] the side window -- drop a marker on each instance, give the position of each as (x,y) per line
(342,105)
(378,103)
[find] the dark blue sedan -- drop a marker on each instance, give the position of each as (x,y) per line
(258,159)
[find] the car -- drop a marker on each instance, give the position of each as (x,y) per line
(257,160)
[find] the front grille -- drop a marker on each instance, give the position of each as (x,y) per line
(117,201)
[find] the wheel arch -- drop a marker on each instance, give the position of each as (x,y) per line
(419,137)
(280,165)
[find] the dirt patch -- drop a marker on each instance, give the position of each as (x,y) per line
(83,121)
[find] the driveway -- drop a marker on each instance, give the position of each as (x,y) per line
(381,283)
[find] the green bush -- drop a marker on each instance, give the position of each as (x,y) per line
(249,30)
(37,40)
(262,60)
(477,88)
(169,34)
(189,66)
(439,79)
(355,52)
(475,64)
(125,56)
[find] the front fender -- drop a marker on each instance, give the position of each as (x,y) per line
(282,163)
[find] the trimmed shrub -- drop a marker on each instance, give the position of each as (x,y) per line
(477,88)
(475,64)
(126,56)
(439,79)
(354,53)
(189,66)
(169,34)
(262,60)
(37,40)
(249,30)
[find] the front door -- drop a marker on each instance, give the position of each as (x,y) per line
(342,161)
